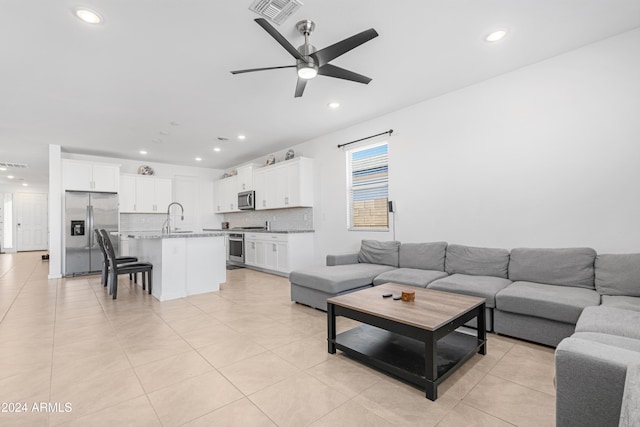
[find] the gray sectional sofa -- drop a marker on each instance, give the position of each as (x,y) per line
(587,305)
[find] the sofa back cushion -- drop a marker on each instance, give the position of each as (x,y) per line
(566,266)
(377,252)
(477,261)
(424,256)
(618,274)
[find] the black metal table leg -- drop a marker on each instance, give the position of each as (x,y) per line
(331,328)
(431,366)
(482,328)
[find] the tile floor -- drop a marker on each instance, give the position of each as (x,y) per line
(245,356)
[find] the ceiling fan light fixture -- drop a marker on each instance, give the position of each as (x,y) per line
(307,71)
(496,35)
(88,16)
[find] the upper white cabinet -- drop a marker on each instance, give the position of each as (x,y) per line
(226,194)
(127,194)
(285,185)
(245,178)
(87,176)
(144,194)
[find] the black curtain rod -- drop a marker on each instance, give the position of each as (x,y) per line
(390,131)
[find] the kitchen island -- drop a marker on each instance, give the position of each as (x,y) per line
(184,264)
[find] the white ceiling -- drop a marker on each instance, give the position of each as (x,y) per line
(112,89)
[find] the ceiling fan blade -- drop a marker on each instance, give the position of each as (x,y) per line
(279,38)
(331,52)
(340,73)
(251,70)
(302,83)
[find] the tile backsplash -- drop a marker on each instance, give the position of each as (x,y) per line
(281,219)
(142,222)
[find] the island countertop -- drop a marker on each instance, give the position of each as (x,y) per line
(256,230)
(161,235)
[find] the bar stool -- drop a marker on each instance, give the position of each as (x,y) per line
(130,268)
(105,261)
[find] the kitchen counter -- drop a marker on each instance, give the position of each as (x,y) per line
(183,263)
(259,230)
(161,235)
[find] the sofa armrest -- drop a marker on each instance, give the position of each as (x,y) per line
(342,259)
(630,412)
(590,382)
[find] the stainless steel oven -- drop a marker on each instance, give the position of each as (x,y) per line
(236,247)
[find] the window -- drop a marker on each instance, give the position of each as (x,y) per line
(367,187)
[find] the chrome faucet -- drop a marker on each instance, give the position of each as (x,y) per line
(166,227)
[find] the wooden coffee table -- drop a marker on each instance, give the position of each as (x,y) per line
(416,341)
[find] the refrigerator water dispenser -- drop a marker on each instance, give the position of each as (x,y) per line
(77,228)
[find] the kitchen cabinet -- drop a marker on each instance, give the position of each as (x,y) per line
(144,194)
(278,252)
(87,176)
(127,193)
(226,194)
(245,178)
(285,185)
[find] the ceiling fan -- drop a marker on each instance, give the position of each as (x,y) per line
(311,62)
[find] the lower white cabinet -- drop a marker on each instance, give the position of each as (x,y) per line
(279,252)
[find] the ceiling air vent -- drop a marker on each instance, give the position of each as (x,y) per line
(275,10)
(13,165)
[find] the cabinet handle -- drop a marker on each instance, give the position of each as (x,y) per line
(135,207)
(231,206)
(253,245)
(286,200)
(264,203)
(274,247)
(243,186)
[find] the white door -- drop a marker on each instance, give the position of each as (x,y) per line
(31,222)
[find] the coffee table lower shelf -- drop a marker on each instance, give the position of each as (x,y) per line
(404,357)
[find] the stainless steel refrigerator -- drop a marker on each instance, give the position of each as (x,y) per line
(85,212)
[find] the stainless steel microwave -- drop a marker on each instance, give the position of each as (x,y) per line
(246,200)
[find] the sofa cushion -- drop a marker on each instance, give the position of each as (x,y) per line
(426,256)
(409,276)
(377,252)
(478,286)
(627,303)
(618,274)
(560,303)
(339,278)
(477,261)
(613,340)
(563,267)
(610,320)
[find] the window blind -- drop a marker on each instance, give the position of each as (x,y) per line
(367,187)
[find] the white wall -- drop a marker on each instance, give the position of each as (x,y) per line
(545,156)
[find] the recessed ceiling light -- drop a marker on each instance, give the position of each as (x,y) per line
(10,176)
(198,159)
(174,123)
(3,169)
(143,152)
(164,132)
(242,137)
(88,16)
(333,105)
(216,149)
(24,184)
(495,36)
